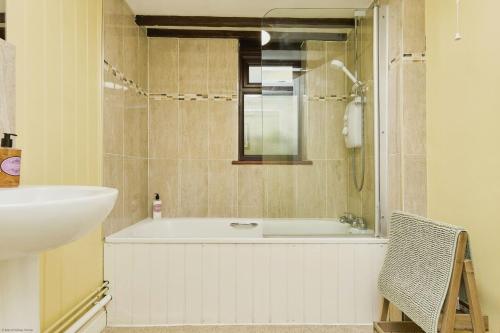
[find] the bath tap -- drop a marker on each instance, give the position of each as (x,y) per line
(359,223)
(354,221)
(348,218)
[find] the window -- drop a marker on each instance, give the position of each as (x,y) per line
(269,117)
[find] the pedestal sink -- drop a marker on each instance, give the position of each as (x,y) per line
(34,219)
(38,218)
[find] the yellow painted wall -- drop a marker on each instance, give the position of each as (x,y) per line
(58,46)
(463,118)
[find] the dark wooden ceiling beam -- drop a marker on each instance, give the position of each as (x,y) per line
(185,33)
(241,22)
(289,37)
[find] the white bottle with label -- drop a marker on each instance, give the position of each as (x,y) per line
(157,207)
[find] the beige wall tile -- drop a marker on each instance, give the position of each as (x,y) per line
(316,127)
(193,134)
(223,66)
(311,189)
(349,60)
(163,65)
(222,188)
(395,183)
(354,199)
(113,32)
(251,191)
(335,143)
(395,29)
(142,76)
(223,130)
(136,125)
(368,122)
(366,32)
(336,79)
(281,191)
(163,129)
(394,108)
(414,119)
(135,190)
(131,48)
(336,183)
(164,180)
(368,193)
(316,66)
(193,66)
(193,188)
(304,118)
(413,26)
(415,185)
(113,113)
(113,177)
(366,63)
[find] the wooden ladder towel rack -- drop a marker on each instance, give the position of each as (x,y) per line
(450,320)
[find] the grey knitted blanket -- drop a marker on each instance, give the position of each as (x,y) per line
(417,269)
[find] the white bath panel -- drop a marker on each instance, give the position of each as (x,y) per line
(261,284)
(194,283)
(210,292)
(227,283)
(243,283)
(158,273)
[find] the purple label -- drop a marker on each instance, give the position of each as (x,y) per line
(11,166)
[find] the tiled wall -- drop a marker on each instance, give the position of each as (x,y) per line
(193,137)
(7,87)
(125,119)
(407,98)
(363,203)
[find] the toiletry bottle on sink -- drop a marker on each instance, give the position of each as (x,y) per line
(157,207)
(10,162)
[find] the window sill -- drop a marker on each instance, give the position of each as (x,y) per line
(272,162)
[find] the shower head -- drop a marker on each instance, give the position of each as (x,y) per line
(340,65)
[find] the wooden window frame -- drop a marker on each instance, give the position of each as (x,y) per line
(252,57)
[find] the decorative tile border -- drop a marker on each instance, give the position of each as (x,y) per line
(197,97)
(334,98)
(410,57)
(121,76)
(193,97)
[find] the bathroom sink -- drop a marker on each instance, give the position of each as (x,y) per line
(38,218)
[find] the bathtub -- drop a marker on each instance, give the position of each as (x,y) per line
(226,271)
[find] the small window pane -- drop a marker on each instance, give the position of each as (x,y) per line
(271,76)
(254,74)
(277,76)
(271,125)
(252,131)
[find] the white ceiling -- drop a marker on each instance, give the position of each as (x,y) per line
(238,8)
